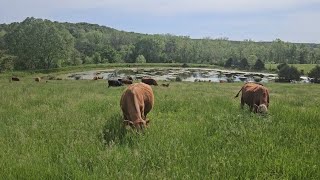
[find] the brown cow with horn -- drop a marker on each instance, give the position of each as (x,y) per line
(136,102)
(256,96)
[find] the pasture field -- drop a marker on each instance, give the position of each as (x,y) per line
(72,130)
(305,67)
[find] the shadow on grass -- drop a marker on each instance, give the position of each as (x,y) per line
(115,133)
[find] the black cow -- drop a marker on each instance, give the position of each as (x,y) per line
(114,82)
(15,79)
(165,85)
(125,81)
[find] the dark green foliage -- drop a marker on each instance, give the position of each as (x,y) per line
(228,63)
(315,73)
(259,65)
(96,58)
(110,54)
(126,52)
(151,48)
(75,58)
(303,53)
(235,63)
(39,44)
(244,64)
(288,73)
(6,63)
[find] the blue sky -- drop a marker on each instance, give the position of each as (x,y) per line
(259,20)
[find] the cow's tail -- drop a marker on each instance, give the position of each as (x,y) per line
(238,93)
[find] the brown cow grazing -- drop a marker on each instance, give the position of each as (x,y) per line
(37,79)
(15,79)
(125,81)
(149,81)
(165,85)
(95,78)
(255,96)
(136,102)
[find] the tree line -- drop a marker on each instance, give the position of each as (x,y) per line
(44,44)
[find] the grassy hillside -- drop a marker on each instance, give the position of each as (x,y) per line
(72,130)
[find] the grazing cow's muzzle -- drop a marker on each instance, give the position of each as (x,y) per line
(262,108)
(138,124)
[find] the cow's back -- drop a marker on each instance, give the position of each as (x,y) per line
(137,98)
(253,93)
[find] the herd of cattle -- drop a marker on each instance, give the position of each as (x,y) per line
(129,80)
(137,100)
(37,79)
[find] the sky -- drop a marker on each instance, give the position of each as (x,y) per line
(258,20)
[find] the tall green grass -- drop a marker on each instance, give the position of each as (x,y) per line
(72,130)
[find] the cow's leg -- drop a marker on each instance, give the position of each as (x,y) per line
(143,114)
(242,102)
(126,122)
(125,117)
(256,108)
(251,108)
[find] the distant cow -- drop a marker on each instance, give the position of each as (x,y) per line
(38,79)
(255,96)
(130,78)
(165,85)
(149,81)
(125,81)
(95,78)
(15,79)
(136,102)
(114,82)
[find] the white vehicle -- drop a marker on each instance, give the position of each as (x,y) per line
(304,79)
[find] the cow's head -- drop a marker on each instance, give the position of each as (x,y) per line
(138,124)
(262,108)
(155,83)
